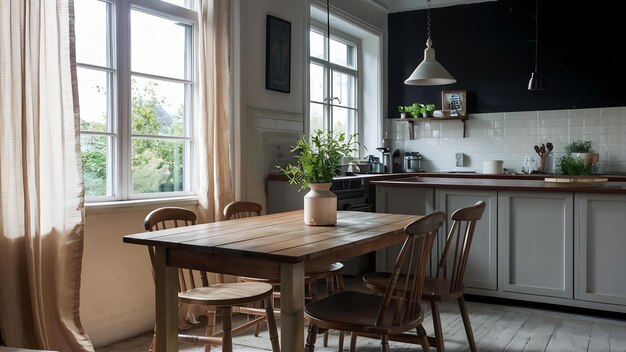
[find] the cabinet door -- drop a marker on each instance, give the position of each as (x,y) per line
(482,265)
(401,200)
(536,238)
(282,196)
(600,232)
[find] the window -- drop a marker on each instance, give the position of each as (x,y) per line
(333,89)
(135,81)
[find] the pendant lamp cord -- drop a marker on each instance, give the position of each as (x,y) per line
(536,32)
(428,19)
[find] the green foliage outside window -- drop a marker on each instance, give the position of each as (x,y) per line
(156,164)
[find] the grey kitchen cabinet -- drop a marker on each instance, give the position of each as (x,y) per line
(402,200)
(481,272)
(536,239)
(600,240)
(282,196)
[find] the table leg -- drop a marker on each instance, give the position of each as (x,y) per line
(292,307)
(166,299)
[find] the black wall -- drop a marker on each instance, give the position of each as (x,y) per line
(488,47)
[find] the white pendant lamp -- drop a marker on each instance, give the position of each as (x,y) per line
(429,72)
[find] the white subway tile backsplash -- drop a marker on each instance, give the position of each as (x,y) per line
(267,123)
(510,136)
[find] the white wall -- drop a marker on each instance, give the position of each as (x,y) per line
(117,290)
(271,122)
(511,136)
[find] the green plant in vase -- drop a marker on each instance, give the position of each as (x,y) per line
(319,157)
(573,165)
(583,150)
(318,162)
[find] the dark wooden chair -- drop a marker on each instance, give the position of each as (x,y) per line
(332,274)
(395,312)
(445,287)
(228,297)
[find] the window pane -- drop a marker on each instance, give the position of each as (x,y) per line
(157,107)
(190,4)
(344,120)
(91,32)
(317,82)
(96,156)
(344,88)
(93,88)
(316,45)
(157,45)
(316,120)
(157,165)
(342,54)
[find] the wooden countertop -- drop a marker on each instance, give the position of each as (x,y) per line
(503,184)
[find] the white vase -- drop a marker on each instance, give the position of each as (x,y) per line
(320,205)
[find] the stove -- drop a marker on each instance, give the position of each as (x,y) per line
(353,194)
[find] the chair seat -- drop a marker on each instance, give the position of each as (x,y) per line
(329,270)
(227,294)
(378,281)
(355,311)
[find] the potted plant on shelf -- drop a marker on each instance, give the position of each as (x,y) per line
(318,162)
(409,110)
(416,110)
(427,109)
(583,150)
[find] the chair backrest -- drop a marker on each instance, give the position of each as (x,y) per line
(241,209)
(404,302)
(459,241)
(171,217)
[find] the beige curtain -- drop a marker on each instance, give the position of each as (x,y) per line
(41,199)
(213,178)
(214,183)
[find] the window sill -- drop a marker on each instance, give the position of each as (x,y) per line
(99,208)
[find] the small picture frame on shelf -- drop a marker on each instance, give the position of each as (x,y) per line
(454,103)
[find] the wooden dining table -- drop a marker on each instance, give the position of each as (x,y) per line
(269,246)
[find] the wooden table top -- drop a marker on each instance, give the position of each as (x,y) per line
(283,237)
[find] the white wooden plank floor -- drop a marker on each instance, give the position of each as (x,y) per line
(496,328)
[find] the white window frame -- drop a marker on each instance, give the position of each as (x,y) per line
(345,38)
(119,97)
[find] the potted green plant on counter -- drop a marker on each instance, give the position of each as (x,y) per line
(574,165)
(318,162)
(583,150)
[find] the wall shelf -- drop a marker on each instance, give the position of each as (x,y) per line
(412,120)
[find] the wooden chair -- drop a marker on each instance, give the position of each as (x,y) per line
(229,297)
(393,313)
(332,274)
(441,287)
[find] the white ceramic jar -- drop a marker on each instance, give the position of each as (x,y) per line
(320,205)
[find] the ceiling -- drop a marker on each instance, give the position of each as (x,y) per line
(410,5)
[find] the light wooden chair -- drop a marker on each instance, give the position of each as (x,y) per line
(445,287)
(332,274)
(393,313)
(228,297)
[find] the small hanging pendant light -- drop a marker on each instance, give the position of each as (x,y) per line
(429,72)
(536,79)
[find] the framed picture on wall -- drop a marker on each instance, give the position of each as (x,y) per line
(454,102)
(277,54)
